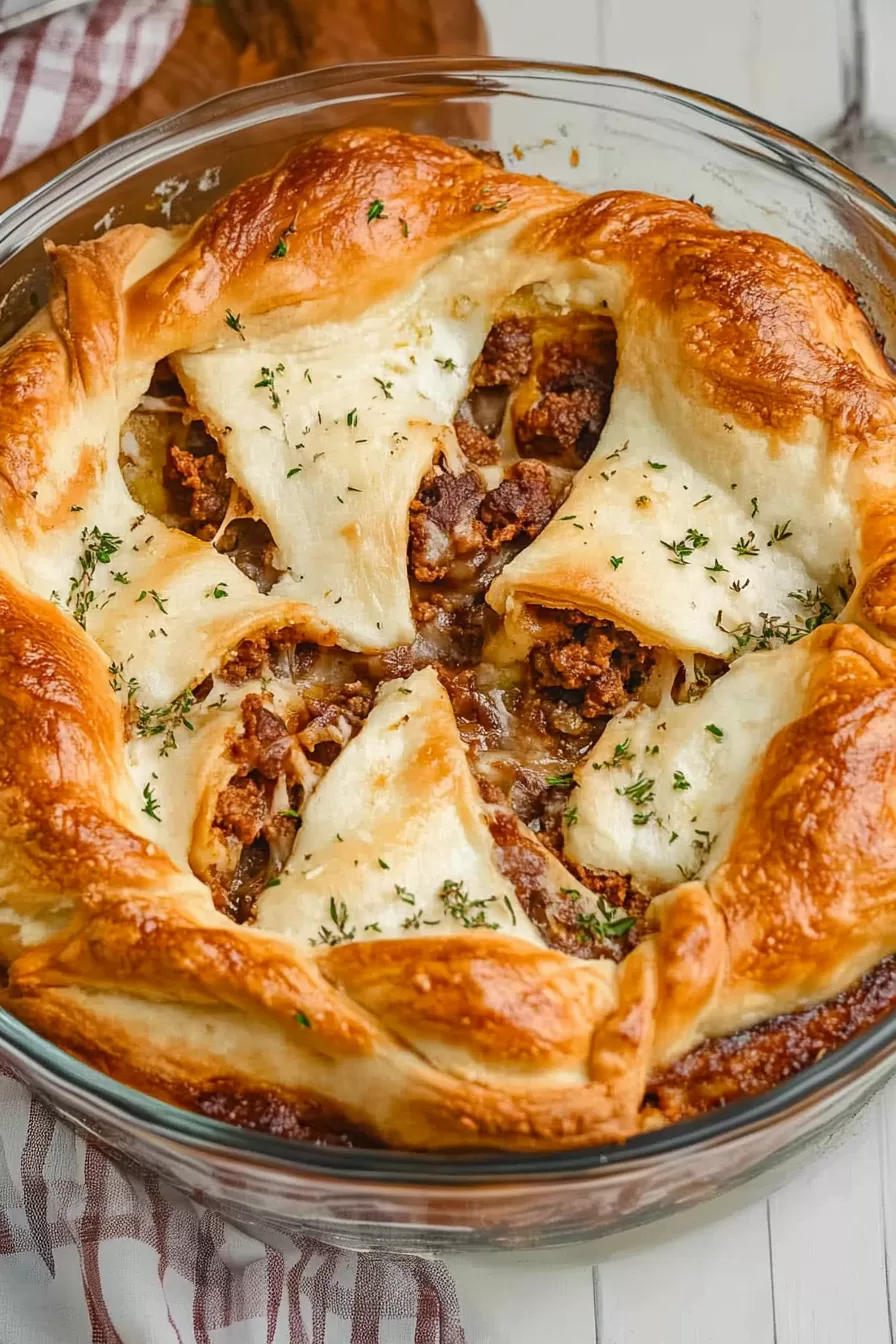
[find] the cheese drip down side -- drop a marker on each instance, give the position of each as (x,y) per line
(660,794)
(394,841)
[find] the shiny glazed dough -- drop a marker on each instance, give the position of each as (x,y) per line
(747,374)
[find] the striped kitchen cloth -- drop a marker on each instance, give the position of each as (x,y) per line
(93,1253)
(62,73)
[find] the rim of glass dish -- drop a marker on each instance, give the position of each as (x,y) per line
(237,110)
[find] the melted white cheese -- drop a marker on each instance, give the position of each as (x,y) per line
(722,531)
(332,447)
(660,794)
(178,775)
(394,840)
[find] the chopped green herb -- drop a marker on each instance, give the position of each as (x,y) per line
(352,418)
(715,730)
(640,792)
(404,226)
(99,548)
(293,471)
(616,560)
(657,466)
(780,532)
(268,381)
(702,501)
(340,931)
(681,550)
(232,320)
(150,803)
(746,546)
(608,921)
(447,364)
(164,721)
(755,507)
(701,845)
(119,682)
(571,816)
(386,388)
(622,752)
(559,781)
(375,210)
(120,576)
(303,1019)
(382,863)
(159,601)
(679,781)
(461,906)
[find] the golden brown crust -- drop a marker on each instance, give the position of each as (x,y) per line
(485,1038)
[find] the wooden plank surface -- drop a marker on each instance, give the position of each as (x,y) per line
(503,1304)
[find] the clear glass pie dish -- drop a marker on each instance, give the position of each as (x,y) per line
(593,130)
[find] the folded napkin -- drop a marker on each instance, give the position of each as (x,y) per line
(91,1252)
(59,75)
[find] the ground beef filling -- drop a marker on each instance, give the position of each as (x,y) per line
(476,444)
(275,651)
(722,1071)
(245,812)
(455,518)
(590,665)
(266,1111)
(575,378)
(200,488)
(557,912)
(506,355)
(563,368)
(267,755)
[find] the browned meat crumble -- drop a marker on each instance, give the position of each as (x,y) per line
(201,486)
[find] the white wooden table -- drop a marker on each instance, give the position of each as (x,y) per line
(812,1264)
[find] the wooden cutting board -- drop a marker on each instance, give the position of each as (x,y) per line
(228,43)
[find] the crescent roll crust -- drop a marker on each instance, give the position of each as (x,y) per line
(398,976)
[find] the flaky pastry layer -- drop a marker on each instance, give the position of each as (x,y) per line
(742,364)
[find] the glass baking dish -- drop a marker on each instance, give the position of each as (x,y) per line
(591,129)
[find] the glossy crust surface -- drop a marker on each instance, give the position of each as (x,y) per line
(734,349)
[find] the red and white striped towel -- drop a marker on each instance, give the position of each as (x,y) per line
(61,74)
(91,1253)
